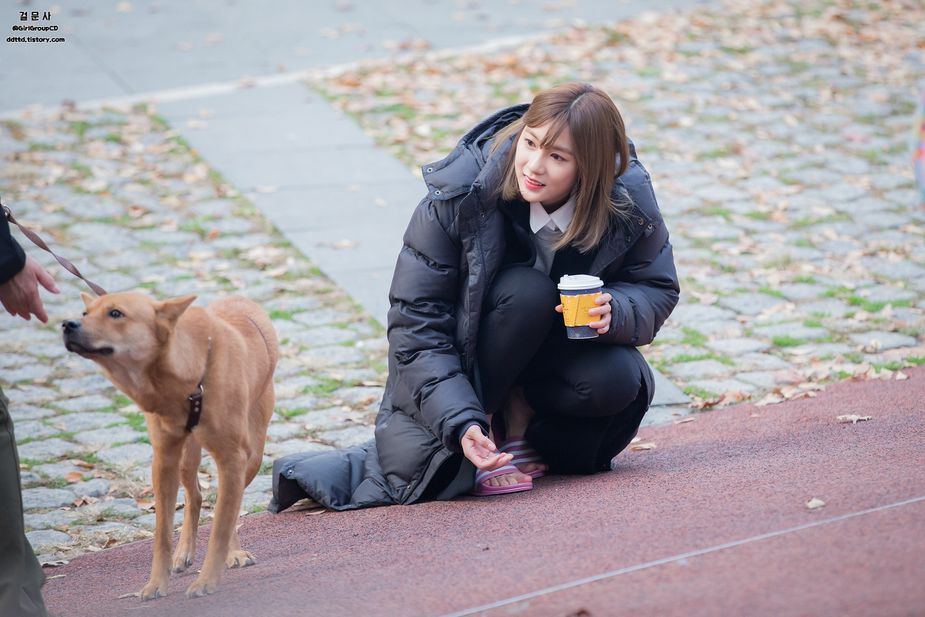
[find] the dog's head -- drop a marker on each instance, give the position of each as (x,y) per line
(123,328)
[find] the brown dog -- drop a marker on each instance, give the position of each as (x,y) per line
(162,355)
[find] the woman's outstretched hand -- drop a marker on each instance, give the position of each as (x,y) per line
(602,325)
(481,450)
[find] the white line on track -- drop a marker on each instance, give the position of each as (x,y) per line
(673,558)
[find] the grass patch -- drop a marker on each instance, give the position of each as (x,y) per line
(292,413)
(812,323)
(702,356)
(281,315)
(854,356)
(137,421)
(769,291)
(80,128)
(810,221)
(693,337)
(805,278)
(744,49)
(701,393)
(890,366)
(786,341)
(715,153)
(324,387)
(717,211)
(758,215)
(915,360)
(875,306)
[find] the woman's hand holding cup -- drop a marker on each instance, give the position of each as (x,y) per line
(602,325)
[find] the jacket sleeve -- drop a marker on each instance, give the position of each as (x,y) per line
(422,327)
(12,257)
(645,289)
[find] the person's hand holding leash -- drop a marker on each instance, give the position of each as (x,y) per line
(20,295)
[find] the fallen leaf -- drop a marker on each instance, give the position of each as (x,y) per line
(74,476)
(134,594)
(643,446)
(814,503)
(684,420)
(853,418)
(56,563)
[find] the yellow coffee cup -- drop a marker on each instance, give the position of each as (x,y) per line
(577,293)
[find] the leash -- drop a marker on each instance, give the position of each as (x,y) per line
(41,244)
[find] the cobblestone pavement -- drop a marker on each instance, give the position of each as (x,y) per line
(777,137)
(124,198)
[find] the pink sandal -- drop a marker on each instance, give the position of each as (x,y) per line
(482,488)
(524,454)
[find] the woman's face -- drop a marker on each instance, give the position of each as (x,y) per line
(546,175)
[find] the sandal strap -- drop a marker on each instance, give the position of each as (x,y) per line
(522,451)
(481,475)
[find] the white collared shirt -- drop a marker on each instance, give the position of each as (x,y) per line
(547,230)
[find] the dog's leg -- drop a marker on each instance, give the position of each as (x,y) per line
(231,468)
(186,548)
(166,478)
(238,558)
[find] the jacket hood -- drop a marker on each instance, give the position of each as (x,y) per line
(461,169)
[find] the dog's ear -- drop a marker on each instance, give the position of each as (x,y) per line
(87,298)
(170,310)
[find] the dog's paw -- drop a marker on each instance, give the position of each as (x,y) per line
(180,563)
(239,559)
(153,590)
(201,587)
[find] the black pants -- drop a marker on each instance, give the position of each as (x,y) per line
(21,575)
(589,397)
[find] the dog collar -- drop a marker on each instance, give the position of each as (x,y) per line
(195,399)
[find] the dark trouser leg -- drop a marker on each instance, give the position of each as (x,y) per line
(21,575)
(589,401)
(518,314)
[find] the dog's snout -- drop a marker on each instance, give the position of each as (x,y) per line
(70,325)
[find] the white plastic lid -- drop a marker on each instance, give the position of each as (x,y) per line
(577,282)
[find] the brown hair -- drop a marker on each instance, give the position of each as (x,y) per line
(600,144)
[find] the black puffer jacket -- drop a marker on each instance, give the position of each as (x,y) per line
(12,257)
(453,247)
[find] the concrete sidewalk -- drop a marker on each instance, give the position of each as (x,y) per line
(711,521)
